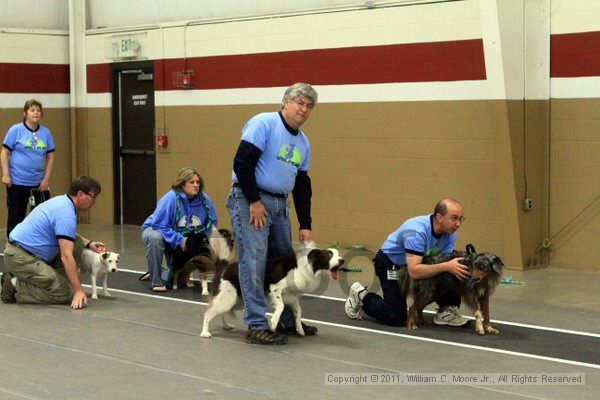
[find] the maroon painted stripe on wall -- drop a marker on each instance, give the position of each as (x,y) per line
(575,54)
(415,62)
(34,78)
(98,78)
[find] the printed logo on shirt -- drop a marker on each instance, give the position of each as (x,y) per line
(290,154)
(38,144)
(434,251)
(194,222)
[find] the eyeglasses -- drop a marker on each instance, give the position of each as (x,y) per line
(303,104)
(456,218)
(93,196)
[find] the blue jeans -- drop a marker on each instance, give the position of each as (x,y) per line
(155,251)
(254,246)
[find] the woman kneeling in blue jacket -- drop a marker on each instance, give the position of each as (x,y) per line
(183,209)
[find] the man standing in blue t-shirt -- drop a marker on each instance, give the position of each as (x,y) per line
(405,248)
(271,162)
(41,252)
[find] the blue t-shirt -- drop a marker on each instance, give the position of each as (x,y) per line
(40,230)
(282,153)
(416,236)
(28,151)
(192,216)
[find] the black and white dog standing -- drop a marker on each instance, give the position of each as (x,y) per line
(286,278)
(98,265)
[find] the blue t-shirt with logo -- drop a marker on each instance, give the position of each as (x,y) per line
(28,151)
(39,232)
(282,153)
(416,236)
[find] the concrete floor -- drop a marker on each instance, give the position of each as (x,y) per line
(136,345)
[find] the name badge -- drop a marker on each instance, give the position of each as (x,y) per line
(392,274)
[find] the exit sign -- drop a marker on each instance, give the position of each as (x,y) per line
(128,47)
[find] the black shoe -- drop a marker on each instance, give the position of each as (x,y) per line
(288,330)
(265,336)
(8,290)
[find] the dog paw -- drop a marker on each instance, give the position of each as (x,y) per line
(228,327)
(106,294)
(174,287)
(95,296)
(206,335)
(190,285)
(491,330)
(411,325)
(205,293)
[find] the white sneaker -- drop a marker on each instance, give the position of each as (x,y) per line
(353,306)
(449,316)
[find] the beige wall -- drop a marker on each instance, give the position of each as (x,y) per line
(376,164)
(575,183)
(373,165)
(95,158)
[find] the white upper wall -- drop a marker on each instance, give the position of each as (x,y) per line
(35,14)
(575,16)
(121,13)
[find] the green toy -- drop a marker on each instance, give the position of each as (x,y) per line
(507,280)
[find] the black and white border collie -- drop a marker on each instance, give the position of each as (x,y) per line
(220,241)
(286,278)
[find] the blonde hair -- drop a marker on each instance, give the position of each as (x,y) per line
(184,175)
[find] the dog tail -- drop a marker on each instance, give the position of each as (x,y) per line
(403,282)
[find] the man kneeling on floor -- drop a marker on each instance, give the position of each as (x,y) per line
(405,248)
(42,251)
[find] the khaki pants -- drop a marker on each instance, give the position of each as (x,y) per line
(37,281)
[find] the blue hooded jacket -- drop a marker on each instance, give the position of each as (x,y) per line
(176,215)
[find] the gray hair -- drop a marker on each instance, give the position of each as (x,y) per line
(300,89)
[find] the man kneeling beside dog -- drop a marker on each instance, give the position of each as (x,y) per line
(419,258)
(43,251)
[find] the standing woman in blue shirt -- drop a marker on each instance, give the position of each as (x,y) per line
(183,209)
(27,158)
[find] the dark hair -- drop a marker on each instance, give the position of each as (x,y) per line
(442,206)
(31,103)
(85,184)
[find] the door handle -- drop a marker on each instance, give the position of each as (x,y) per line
(136,152)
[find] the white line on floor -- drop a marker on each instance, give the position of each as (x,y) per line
(496,321)
(357,328)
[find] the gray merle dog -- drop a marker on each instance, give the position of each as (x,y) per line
(485,270)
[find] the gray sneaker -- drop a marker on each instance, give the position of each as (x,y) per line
(8,290)
(353,306)
(449,316)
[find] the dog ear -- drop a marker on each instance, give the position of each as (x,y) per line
(470,249)
(105,255)
(497,265)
